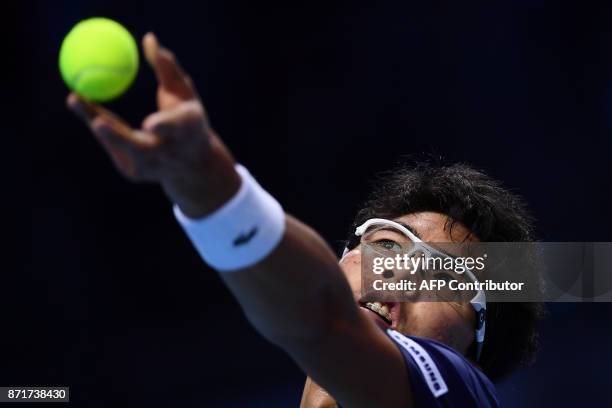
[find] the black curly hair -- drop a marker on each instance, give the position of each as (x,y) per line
(493,214)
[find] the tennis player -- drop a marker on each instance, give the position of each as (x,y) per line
(357,352)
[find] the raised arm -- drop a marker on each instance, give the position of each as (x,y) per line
(297,297)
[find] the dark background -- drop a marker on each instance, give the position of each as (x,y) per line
(314,100)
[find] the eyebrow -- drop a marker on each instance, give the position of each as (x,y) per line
(409,228)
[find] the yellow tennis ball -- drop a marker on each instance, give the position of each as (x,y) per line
(98,59)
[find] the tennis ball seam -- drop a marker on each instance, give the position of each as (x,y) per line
(101,68)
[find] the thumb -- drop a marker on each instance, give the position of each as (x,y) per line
(170,76)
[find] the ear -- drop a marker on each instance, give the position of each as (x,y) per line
(349,253)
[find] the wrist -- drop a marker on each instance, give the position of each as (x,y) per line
(200,191)
(242,232)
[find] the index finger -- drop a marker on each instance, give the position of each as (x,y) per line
(97,118)
(88,111)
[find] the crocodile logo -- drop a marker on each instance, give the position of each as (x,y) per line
(245,238)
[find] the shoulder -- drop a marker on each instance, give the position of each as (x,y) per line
(440,376)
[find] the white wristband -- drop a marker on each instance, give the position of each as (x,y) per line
(242,232)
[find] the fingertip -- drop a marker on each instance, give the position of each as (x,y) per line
(80,107)
(150,37)
(71,100)
(76,103)
(150,46)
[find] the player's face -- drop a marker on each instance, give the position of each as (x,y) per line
(449,323)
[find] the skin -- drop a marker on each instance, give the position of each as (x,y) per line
(299,297)
(449,324)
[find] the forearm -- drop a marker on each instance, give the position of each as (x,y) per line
(204,183)
(299,299)
(289,294)
(298,292)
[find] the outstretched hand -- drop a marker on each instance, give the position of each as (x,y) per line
(175,146)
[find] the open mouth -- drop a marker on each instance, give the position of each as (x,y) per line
(382,310)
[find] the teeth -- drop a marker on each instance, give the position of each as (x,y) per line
(379,308)
(384,309)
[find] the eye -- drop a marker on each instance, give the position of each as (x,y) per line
(444,276)
(388,245)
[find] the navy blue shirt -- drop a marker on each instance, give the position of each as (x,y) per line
(441,377)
